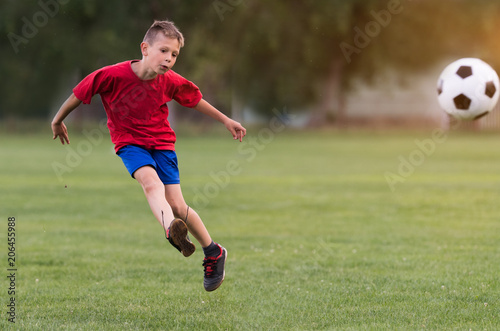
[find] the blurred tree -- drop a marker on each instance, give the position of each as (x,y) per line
(300,54)
(306,54)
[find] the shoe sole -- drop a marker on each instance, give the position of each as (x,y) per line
(178,233)
(223,276)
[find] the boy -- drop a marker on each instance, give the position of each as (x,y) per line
(134,94)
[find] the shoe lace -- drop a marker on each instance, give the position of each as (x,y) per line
(167,232)
(209,263)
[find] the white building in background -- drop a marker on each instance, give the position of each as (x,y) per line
(396,100)
(412,99)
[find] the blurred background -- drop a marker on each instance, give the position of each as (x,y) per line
(335,63)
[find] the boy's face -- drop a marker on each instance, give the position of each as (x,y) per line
(162,54)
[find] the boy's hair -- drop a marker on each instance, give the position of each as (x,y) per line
(167,28)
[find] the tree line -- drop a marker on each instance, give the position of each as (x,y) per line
(299,54)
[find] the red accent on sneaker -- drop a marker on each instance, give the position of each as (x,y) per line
(209,263)
(220,254)
(214,268)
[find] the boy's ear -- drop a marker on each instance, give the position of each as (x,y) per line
(144,48)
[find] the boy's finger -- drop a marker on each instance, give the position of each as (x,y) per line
(234,133)
(63,138)
(243,133)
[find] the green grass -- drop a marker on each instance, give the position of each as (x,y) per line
(316,237)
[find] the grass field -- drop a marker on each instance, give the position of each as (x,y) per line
(317,237)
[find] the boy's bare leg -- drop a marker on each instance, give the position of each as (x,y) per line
(175,230)
(155,194)
(173,194)
(215,255)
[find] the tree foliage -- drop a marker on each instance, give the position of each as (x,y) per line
(302,54)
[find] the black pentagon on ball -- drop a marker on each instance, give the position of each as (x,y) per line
(481,115)
(440,87)
(462,102)
(464,71)
(490,89)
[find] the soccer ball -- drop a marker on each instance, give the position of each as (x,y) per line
(468,89)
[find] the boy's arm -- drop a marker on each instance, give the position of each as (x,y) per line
(236,129)
(58,127)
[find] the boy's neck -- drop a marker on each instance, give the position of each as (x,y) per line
(142,71)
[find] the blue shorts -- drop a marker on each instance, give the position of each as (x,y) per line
(163,161)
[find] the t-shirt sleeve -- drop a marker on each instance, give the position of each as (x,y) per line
(95,83)
(187,93)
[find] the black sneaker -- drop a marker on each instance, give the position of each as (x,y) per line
(214,270)
(177,235)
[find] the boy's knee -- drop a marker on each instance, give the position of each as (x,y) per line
(179,210)
(152,186)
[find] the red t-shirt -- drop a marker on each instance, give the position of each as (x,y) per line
(137,109)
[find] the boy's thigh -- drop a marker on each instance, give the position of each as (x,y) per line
(147,176)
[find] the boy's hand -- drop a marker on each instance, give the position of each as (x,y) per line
(58,127)
(59,130)
(236,129)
